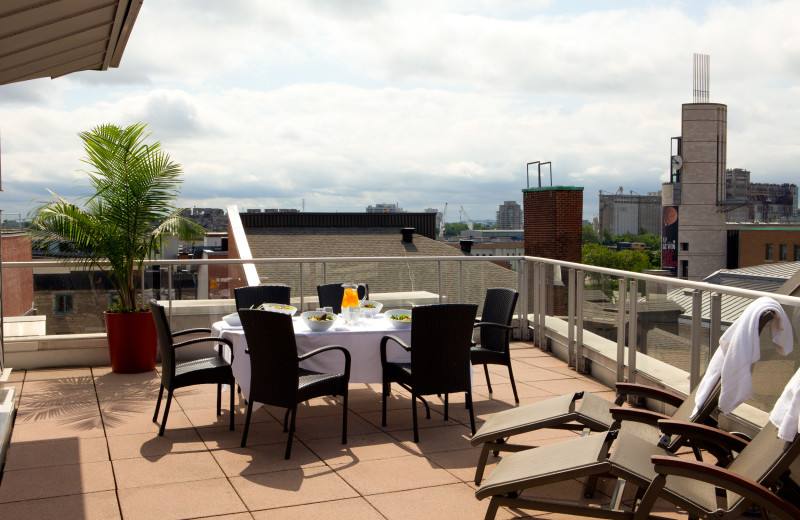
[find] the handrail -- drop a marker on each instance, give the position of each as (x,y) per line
(689,284)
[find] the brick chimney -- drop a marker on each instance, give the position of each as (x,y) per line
(553,229)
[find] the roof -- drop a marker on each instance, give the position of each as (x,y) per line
(51,38)
(767,278)
(321,242)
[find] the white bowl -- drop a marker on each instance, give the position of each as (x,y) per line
(232,320)
(318,326)
(397,323)
(375,309)
(279,307)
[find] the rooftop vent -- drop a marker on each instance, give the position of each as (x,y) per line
(408,234)
(466,246)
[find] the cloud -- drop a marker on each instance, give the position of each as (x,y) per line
(349,104)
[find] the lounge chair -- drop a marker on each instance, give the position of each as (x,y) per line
(587,412)
(760,465)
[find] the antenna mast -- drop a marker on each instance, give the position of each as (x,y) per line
(701,77)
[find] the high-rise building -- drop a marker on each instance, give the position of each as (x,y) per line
(509,215)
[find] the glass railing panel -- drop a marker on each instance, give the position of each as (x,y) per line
(773,371)
(601,315)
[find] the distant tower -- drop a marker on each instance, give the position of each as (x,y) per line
(694,232)
(509,215)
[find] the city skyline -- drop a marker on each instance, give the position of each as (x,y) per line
(343,105)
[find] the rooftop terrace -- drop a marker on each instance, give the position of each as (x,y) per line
(84,446)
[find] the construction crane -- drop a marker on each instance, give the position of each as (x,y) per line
(470,225)
(441,224)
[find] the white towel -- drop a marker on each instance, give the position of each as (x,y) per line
(785,414)
(738,349)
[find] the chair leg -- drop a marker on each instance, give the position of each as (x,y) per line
(166,413)
(286,420)
(446,417)
(291,433)
(219,398)
(471,413)
(488,381)
(344,417)
(513,385)
(386,386)
(233,405)
(414,416)
(247,422)
(158,402)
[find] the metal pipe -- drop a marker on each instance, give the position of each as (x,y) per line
(621,330)
(571,318)
(169,292)
(697,323)
(580,362)
(715,331)
(439,263)
(632,332)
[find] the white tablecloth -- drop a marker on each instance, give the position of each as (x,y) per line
(362,341)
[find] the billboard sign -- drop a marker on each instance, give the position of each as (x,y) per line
(669,240)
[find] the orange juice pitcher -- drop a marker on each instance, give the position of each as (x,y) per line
(350,302)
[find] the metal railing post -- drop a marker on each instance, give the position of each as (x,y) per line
(439,263)
(580,362)
(571,318)
(302,291)
(621,299)
(697,326)
(461,282)
(715,331)
(522,309)
(633,294)
(169,292)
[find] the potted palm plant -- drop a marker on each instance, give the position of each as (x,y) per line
(126,221)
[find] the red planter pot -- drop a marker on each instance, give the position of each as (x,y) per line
(132,341)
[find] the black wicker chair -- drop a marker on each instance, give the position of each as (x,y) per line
(495,329)
(277,379)
(254,295)
(330,295)
(441,337)
(212,370)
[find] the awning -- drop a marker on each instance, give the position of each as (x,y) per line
(51,38)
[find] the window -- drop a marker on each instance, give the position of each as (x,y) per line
(768,253)
(684,269)
(684,246)
(782,252)
(65,304)
(797,253)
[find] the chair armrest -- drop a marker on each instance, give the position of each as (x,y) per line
(638,415)
(721,477)
(191,331)
(385,341)
(650,393)
(495,325)
(329,348)
(201,340)
(702,433)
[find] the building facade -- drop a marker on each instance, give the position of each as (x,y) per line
(509,215)
(620,214)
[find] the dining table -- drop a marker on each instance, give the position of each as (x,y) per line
(361,339)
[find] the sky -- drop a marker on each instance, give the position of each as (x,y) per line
(335,105)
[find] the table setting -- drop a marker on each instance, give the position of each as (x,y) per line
(359,330)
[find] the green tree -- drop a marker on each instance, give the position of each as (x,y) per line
(128,218)
(589,236)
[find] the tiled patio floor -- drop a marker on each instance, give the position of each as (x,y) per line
(84,446)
